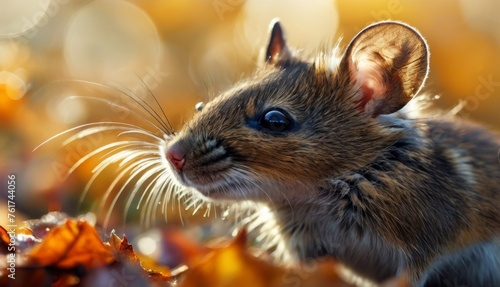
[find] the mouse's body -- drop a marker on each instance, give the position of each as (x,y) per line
(342,175)
(391,217)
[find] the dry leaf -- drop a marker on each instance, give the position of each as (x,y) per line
(125,253)
(71,253)
(75,243)
(4,241)
(122,248)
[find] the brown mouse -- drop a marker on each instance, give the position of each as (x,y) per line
(323,146)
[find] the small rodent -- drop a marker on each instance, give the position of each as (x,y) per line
(344,173)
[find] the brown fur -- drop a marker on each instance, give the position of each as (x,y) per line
(381,193)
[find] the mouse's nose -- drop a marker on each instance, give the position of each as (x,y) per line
(176,155)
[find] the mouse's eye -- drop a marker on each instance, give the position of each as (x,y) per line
(276,120)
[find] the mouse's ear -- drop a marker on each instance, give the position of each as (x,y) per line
(389,61)
(277,51)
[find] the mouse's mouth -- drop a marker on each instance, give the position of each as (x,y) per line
(215,190)
(226,184)
(206,182)
(223,185)
(210,169)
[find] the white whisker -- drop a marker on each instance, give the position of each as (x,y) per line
(107,161)
(164,186)
(149,162)
(153,191)
(151,112)
(150,199)
(208,208)
(97,151)
(163,129)
(135,156)
(197,208)
(148,107)
(144,177)
(147,175)
(124,171)
(142,132)
(173,191)
(124,126)
(91,131)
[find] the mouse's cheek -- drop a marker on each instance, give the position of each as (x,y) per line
(221,182)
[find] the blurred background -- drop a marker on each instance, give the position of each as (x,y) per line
(183,52)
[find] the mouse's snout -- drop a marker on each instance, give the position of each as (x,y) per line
(176,155)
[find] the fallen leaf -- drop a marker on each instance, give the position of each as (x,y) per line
(125,253)
(122,248)
(72,254)
(73,244)
(4,241)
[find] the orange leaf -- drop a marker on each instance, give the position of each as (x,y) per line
(122,248)
(125,252)
(75,243)
(4,241)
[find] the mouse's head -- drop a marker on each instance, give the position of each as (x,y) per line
(295,123)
